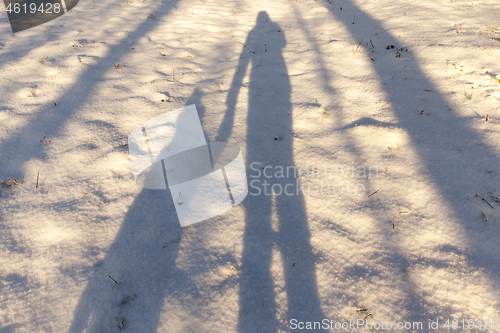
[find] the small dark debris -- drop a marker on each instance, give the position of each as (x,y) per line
(120,323)
(398,54)
(390,47)
(10,182)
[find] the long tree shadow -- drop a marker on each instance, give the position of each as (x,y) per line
(437,139)
(416,305)
(25,44)
(52,119)
(272,221)
(143,269)
(142,259)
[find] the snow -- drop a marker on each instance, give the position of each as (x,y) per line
(304,89)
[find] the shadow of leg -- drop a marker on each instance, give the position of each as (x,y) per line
(257,297)
(298,258)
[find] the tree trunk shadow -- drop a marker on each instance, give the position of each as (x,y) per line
(142,260)
(436,139)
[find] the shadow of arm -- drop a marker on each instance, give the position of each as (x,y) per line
(226,126)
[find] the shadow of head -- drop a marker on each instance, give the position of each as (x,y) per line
(263,17)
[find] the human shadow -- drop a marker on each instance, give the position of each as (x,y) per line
(272,221)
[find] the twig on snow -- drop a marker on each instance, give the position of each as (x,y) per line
(116,282)
(359,45)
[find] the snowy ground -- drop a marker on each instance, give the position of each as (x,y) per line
(73,89)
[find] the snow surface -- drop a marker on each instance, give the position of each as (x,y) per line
(314,86)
